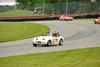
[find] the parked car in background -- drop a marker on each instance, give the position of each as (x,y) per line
(66,18)
(97,21)
(47,40)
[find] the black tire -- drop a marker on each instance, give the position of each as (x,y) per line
(95,22)
(71,20)
(61,42)
(48,43)
(35,45)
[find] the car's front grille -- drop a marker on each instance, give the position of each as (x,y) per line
(38,42)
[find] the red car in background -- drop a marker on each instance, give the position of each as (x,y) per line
(66,18)
(97,21)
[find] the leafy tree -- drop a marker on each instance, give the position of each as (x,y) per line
(59,5)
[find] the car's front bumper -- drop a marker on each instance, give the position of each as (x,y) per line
(39,42)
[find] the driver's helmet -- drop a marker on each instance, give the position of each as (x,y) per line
(56,34)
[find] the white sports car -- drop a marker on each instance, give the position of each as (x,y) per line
(47,40)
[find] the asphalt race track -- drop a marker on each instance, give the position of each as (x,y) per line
(77,34)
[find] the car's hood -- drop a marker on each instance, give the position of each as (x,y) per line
(42,37)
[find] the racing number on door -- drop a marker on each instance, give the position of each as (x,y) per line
(55,40)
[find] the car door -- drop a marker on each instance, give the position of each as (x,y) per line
(56,40)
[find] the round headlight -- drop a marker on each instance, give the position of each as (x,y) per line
(43,38)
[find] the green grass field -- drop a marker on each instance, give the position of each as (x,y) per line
(86,19)
(88,57)
(15,13)
(11,31)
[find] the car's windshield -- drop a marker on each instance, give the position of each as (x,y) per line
(46,34)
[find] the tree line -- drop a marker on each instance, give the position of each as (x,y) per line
(61,6)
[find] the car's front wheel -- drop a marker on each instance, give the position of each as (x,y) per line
(48,43)
(35,45)
(61,42)
(95,22)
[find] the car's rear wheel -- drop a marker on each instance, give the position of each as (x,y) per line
(48,43)
(35,45)
(61,42)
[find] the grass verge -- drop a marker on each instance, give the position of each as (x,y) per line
(86,19)
(88,57)
(11,31)
(15,13)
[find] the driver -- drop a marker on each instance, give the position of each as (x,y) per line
(55,34)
